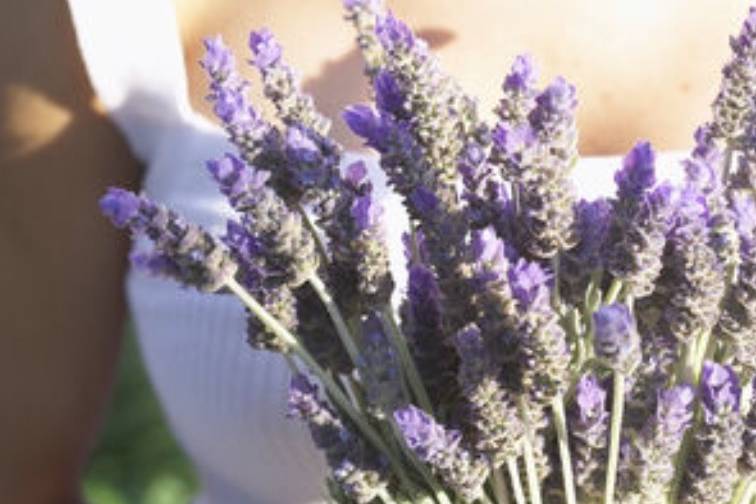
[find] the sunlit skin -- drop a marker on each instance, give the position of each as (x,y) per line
(643,69)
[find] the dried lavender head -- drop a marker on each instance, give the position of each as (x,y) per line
(718,443)
(588,424)
(188,253)
(641,220)
(649,467)
(490,409)
(442,450)
(616,336)
(544,355)
(358,471)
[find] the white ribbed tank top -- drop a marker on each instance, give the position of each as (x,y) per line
(225,402)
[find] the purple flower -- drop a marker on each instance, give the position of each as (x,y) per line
(512,140)
(423,435)
(424,201)
(366,212)
(301,146)
(219,60)
(388,94)
(368,124)
(523,74)
(120,206)
(392,32)
(593,221)
(745,215)
(200,260)
(529,283)
(266,49)
(720,390)
(591,401)
(554,108)
(638,172)
(235,177)
(441,449)
(674,410)
(155,264)
(615,334)
(356,174)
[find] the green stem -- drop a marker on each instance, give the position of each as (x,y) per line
(534,485)
(514,477)
(741,491)
(614,290)
(408,363)
(341,400)
(385,497)
(557,408)
(555,295)
(338,321)
(499,486)
(618,405)
(310,225)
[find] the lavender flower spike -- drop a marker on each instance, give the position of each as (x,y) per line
(542,340)
(281,85)
(650,468)
(188,253)
(589,428)
(356,469)
(616,337)
(491,410)
(694,274)
(277,232)
(363,14)
(641,219)
(733,104)
(442,450)
(713,465)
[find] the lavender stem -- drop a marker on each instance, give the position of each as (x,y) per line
(560,422)
(334,391)
(514,476)
(499,486)
(618,405)
(408,363)
(338,321)
(613,292)
(534,486)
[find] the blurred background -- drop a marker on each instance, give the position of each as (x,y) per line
(137,460)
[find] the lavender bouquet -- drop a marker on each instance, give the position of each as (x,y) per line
(548,349)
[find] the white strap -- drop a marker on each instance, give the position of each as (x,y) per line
(132,52)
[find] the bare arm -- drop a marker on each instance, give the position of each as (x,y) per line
(61,266)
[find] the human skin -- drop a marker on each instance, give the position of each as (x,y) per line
(643,69)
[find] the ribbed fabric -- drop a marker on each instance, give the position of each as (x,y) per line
(225,402)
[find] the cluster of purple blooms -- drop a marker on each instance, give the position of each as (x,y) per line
(548,348)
